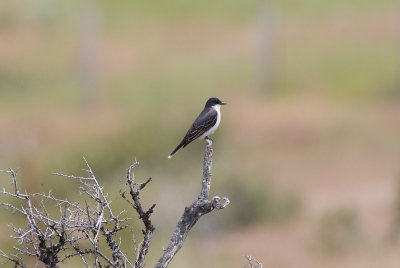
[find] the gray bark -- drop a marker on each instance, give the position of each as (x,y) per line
(193,212)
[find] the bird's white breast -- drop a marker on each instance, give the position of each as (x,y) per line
(214,128)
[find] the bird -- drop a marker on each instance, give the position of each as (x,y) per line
(204,125)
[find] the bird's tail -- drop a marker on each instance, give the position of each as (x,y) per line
(176,149)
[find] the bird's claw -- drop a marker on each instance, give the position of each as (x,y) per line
(209,139)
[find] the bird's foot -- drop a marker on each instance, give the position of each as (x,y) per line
(209,139)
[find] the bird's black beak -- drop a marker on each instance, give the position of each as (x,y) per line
(223,103)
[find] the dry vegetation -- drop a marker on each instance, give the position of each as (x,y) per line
(329,135)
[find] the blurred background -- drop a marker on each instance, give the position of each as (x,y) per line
(308,149)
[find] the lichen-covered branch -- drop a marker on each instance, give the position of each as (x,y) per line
(193,212)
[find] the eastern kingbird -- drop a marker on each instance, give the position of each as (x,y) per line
(204,125)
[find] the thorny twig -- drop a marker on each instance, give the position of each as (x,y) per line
(134,191)
(54,240)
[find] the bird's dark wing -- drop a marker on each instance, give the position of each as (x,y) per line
(203,122)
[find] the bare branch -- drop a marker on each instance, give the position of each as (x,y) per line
(51,240)
(134,191)
(252,262)
(193,212)
(14,178)
(80,229)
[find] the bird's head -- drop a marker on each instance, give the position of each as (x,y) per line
(214,101)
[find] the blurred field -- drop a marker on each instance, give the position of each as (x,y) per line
(309,157)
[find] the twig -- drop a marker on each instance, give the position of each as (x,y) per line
(51,240)
(252,262)
(134,191)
